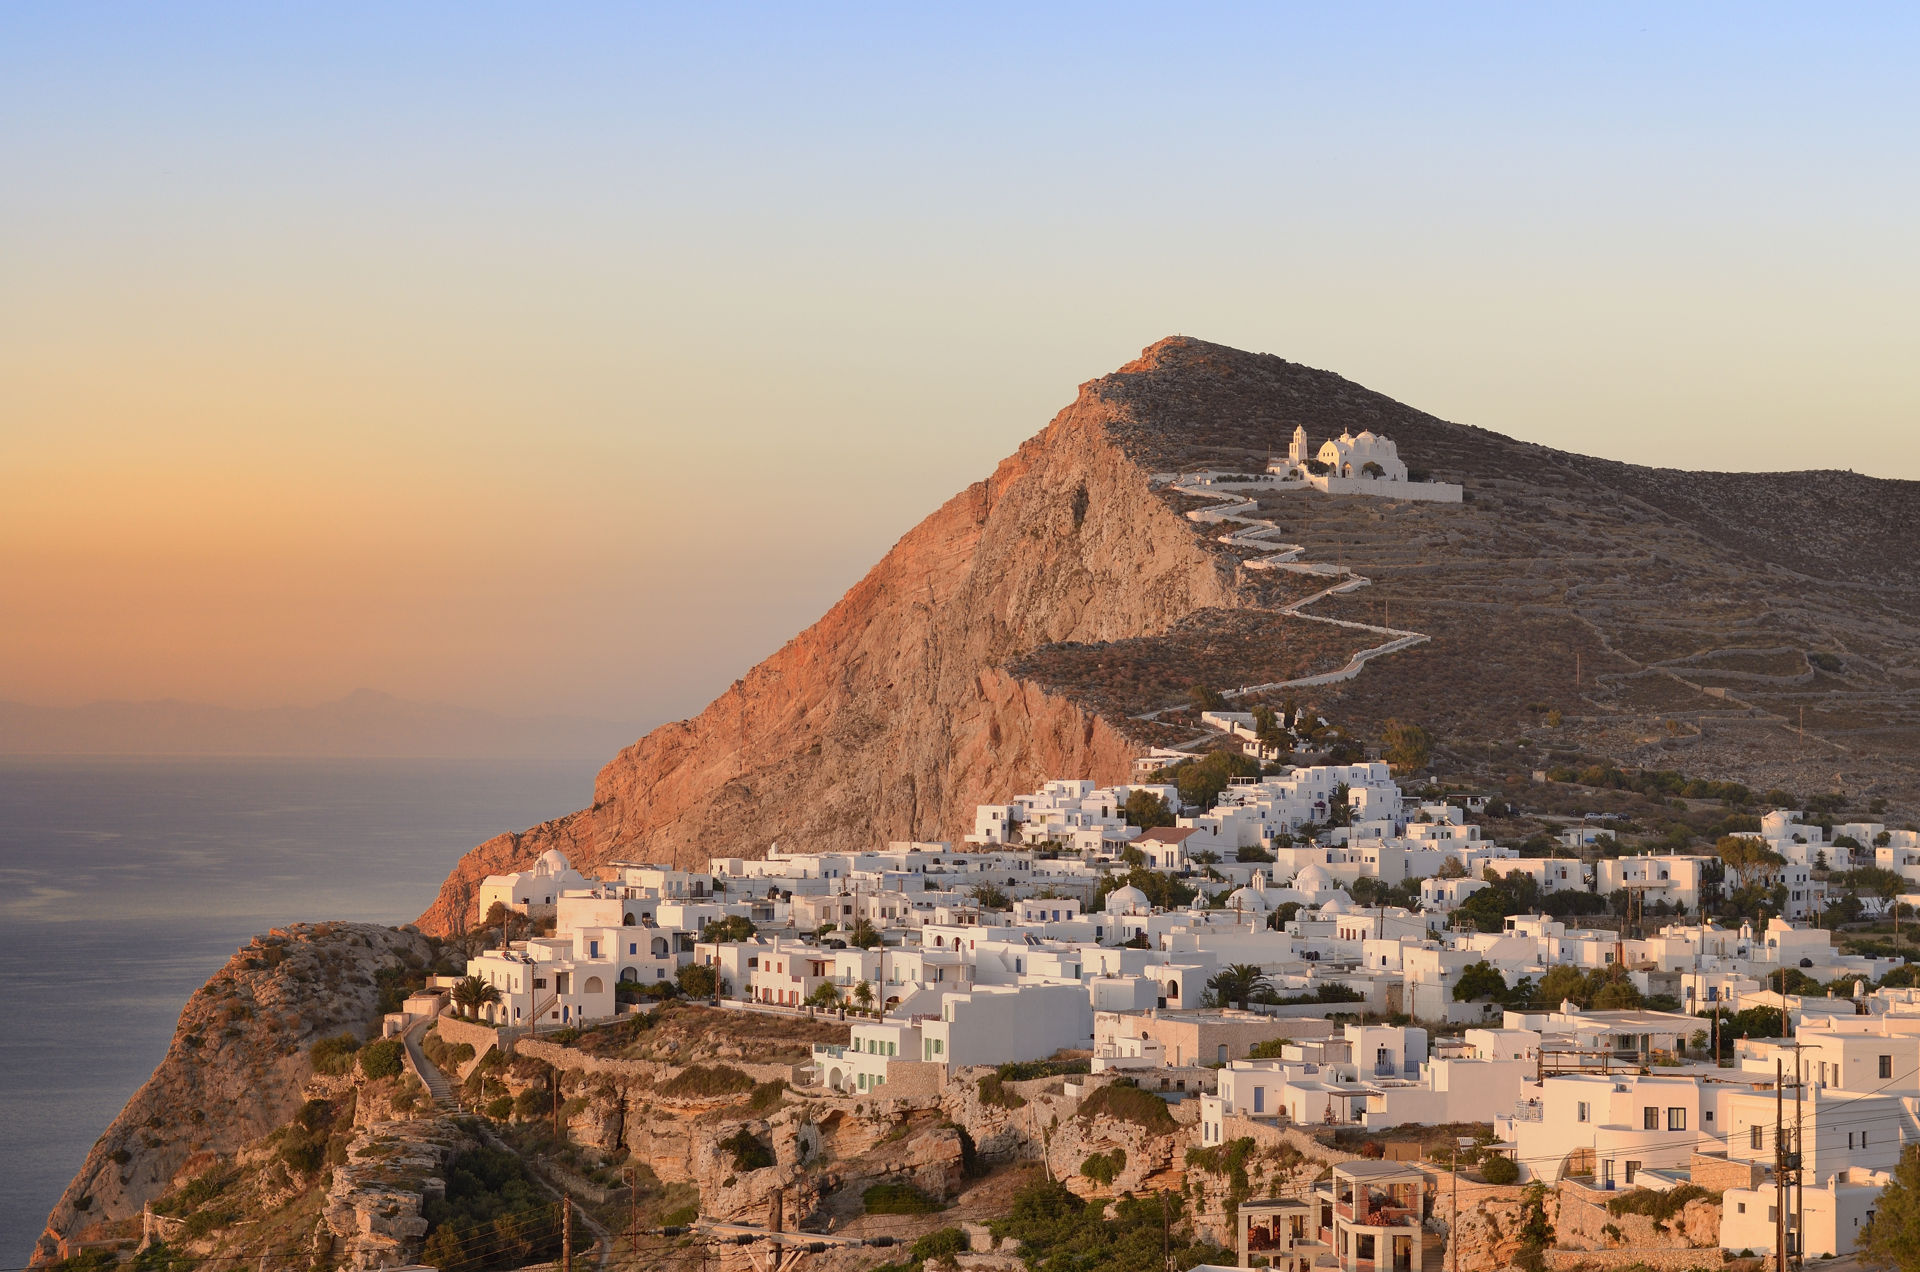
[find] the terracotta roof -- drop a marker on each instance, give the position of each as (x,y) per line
(1168,834)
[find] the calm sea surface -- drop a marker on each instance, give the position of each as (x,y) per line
(124,884)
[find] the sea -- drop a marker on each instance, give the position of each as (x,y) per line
(126,883)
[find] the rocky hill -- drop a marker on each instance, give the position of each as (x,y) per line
(237,1065)
(1686,619)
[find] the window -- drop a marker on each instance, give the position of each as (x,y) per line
(1676,1119)
(1650,1119)
(1740,1207)
(1633,1168)
(1754,1133)
(1583,1112)
(1886,1066)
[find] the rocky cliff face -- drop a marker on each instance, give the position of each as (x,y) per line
(1585,586)
(237,1065)
(890,717)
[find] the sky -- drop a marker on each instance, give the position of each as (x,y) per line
(571,361)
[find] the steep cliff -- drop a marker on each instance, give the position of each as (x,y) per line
(238,1063)
(957,671)
(890,718)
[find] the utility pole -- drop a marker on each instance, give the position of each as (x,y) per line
(566,1235)
(776,1223)
(1453,1219)
(1799,1168)
(1779,1169)
(633,1208)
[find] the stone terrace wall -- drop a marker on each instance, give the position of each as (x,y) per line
(1660,1258)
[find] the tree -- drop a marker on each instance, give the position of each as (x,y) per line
(1205,699)
(697,980)
(1408,746)
(1893,1235)
(1145,809)
(1536,1234)
(825,994)
(863,935)
(1749,858)
(1235,986)
(991,898)
(472,994)
(863,995)
(1562,982)
(1479,980)
(732,928)
(1371,469)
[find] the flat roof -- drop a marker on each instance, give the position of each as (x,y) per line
(1364,1168)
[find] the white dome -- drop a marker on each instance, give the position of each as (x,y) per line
(1247,899)
(1312,879)
(551,862)
(1338,905)
(1128,899)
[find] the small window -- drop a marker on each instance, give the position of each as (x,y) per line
(1740,1207)
(1583,1112)
(1676,1119)
(1649,1119)
(1754,1133)
(1886,1066)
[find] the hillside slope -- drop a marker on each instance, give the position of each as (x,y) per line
(1612,593)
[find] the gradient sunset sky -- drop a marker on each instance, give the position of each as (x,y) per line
(572,361)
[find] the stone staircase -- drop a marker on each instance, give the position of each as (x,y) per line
(430,1076)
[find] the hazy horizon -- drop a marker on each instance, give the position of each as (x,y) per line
(570,363)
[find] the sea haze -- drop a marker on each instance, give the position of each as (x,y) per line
(126,883)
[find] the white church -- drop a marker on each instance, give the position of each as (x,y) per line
(1368,464)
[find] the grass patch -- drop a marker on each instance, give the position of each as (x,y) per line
(706,1080)
(1122,1103)
(898,1199)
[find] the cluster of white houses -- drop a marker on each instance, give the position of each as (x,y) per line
(1065,961)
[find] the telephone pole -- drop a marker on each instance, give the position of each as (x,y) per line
(1779,1168)
(1799,1168)
(566,1235)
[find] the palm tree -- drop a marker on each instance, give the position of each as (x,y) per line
(471,994)
(1237,983)
(863,994)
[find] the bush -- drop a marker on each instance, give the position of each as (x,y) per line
(383,1059)
(942,1243)
(500,1108)
(1658,1206)
(993,1090)
(898,1199)
(697,1080)
(1500,1170)
(748,1152)
(1102,1167)
(1128,1104)
(696,980)
(333,1056)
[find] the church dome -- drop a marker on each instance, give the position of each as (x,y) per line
(551,863)
(1128,900)
(1312,879)
(1339,904)
(1247,899)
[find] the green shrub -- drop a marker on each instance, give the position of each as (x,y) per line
(766,1096)
(1102,1167)
(532,1103)
(383,1059)
(993,1090)
(333,1056)
(748,1152)
(304,1153)
(681,1216)
(898,1199)
(1123,1103)
(500,1108)
(1499,1170)
(1658,1206)
(941,1243)
(707,1080)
